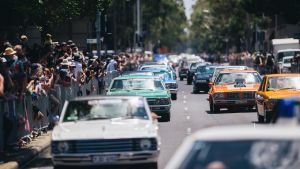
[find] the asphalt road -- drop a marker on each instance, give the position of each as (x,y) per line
(189,113)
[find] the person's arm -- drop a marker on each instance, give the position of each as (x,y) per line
(1,85)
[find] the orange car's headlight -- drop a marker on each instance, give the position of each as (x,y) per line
(219,96)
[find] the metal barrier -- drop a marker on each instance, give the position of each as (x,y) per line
(19,118)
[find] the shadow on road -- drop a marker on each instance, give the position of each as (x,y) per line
(232,111)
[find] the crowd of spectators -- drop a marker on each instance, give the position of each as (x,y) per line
(35,70)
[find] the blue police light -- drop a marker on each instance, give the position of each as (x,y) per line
(286,109)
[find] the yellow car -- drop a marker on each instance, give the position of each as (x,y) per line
(274,88)
(234,89)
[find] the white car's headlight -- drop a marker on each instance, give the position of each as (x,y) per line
(145,144)
(63,147)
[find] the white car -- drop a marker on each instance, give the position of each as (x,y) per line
(105,131)
(240,147)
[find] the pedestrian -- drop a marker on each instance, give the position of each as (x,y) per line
(258,62)
(270,63)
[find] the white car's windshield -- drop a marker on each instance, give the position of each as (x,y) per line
(230,78)
(105,109)
(257,154)
(137,84)
(282,83)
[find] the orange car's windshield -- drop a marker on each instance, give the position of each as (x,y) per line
(230,78)
(283,83)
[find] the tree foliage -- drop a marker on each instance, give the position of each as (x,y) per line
(46,14)
(217,22)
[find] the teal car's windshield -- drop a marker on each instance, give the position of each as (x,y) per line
(105,109)
(137,84)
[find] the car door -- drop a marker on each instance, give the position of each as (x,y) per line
(259,97)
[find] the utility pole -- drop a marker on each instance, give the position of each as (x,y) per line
(138,9)
(98,31)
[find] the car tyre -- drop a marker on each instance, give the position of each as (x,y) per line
(151,165)
(213,108)
(260,118)
(165,118)
(181,78)
(174,96)
(189,82)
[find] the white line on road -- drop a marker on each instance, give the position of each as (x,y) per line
(186,109)
(184,101)
(188,131)
(184,97)
(188,117)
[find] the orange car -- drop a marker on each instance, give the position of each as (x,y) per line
(234,89)
(273,88)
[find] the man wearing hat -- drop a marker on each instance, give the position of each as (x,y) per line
(78,64)
(24,44)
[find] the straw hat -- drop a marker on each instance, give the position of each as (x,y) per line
(9,51)
(65,62)
(24,37)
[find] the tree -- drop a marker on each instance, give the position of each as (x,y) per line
(47,14)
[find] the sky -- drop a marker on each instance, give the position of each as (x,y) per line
(188,4)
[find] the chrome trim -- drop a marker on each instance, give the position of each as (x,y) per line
(168,105)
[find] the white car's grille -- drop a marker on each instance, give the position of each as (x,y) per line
(103,146)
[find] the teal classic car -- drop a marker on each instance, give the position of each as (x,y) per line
(150,87)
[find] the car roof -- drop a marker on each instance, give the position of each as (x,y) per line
(238,71)
(104,97)
(288,50)
(283,75)
(236,133)
(134,77)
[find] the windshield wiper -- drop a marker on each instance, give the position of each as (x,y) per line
(287,88)
(122,118)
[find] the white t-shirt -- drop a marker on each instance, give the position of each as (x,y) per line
(111,65)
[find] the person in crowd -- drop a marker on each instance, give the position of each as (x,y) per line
(270,63)
(1,85)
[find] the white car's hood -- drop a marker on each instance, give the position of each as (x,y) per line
(105,129)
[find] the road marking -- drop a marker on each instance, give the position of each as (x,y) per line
(254,125)
(184,97)
(184,101)
(186,109)
(182,91)
(188,117)
(188,131)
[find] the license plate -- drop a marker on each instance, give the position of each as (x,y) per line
(155,108)
(104,159)
(241,101)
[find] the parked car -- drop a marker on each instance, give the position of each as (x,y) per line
(201,78)
(273,88)
(286,64)
(103,131)
(234,89)
(240,147)
(152,88)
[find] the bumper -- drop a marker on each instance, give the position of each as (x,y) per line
(201,85)
(184,75)
(160,108)
(173,91)
(234,103)
(114,158)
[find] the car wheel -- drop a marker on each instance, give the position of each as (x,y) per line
(195,90)
(267,116)
(174,96)
(189,82)
(181,78)
(165,118)
(151,165)
(213,108)
(260,118)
